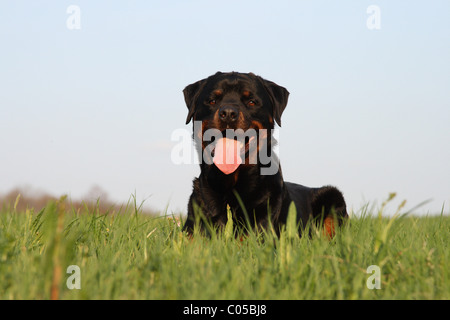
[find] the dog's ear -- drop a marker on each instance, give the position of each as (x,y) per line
(279,97)
(191,93)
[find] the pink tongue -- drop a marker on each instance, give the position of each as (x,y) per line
(227,155)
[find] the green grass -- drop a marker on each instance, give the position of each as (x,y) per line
(130,255)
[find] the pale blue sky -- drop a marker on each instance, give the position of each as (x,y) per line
(369,110)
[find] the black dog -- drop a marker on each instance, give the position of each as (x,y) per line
(240,171)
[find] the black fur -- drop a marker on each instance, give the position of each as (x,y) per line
(259,103)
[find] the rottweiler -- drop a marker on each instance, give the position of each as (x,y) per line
(234,115)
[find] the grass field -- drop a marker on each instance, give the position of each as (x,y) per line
(130,255)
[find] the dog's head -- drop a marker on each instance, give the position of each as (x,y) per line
(234,107)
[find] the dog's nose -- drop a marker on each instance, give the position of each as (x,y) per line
(228,113)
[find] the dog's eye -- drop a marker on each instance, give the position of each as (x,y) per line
(251,103)
(212,102)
